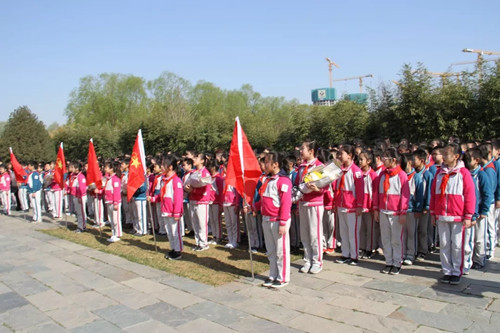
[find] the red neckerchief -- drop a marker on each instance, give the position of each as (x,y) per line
(306,169)
(262,189)
(489,165)
(388,174)
(411,175)
(164,186)
(342,179)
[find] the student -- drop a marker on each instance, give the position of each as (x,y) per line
(154,190)
(79,192)
(113,199)
(390,204)
(311,207)
(231,203)
(199,199)
(216,201)
(57,197)
(367,238)
(349,197)
(5,189)
(437,158)
(289,165)
(488,165)
(255,204)
(476,237)
(452,206)
(171,199)
(97,195)
(127,213)
(23,191)
(275,205)
(422,180)
(34,188)
(138,204)
(187,167)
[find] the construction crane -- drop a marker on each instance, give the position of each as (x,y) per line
(354,78)
(480,58)
(330,64)
(445,75)
(472,62)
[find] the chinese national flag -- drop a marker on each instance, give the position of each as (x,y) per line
(137,167)
(94,175)
(60,167)
(18,169)
(243,170)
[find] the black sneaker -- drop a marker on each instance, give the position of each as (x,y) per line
(175,256)
(477,266)
(369,254)
(420,257)
(354,262)
(196,248)
(445,279)
(386,270)
(343,260)
(395,270)
(362,254)
(455,280)
(268,283)
(279,284)
(78,230)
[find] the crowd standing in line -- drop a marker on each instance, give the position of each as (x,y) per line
(408,200)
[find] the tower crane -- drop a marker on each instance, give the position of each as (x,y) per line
(330,64)
(472,62)
(445,75)
(360,78)
(480,58)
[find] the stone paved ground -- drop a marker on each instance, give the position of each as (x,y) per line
(52,285)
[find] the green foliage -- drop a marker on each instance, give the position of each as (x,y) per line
(175,115)
(27,136)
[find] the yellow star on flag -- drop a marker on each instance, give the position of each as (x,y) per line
(135,162)
(59,163)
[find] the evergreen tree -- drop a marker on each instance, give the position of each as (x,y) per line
(27,136)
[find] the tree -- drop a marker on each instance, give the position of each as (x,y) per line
(27,136)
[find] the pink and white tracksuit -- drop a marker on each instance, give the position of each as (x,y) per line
(170,198)
(311,208)
(275,205)
(215,210)
(453,199)
(391,203)
(112,197)
(231,214)
(367,236)
(5,192)
(79,192)
(199,199)
(349,197)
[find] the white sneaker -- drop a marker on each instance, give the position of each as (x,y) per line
(305,268)
(315,269)
(407,262)
(229,246)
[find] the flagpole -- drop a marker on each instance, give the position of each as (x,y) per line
(248,235)
(153,224)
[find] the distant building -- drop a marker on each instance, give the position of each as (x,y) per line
(323,96)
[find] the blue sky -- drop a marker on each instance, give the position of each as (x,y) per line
(278,47)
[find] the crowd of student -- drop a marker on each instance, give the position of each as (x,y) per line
(407,200)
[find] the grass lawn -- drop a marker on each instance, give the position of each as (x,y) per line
(215,266)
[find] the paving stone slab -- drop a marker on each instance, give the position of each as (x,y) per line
(122,316)
(26,286)
(168,314)
(483,290)
(48,300)
(350,279)
(97,326)
(176,297)
(363,320)
(365,305)
(203,325)
(152,326)
(216,313)
(11,300)
(92,280)
(144,285)
(252,324)
(435,320)
(455,297)
(464,311)
(116,274)
(44,328)
(313,324)
(72,316)
(262,309)
(186,284)
(91,300)
(130,297)
(425,329)
(22,318)
(395,287)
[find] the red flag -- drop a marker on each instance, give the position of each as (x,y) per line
(60,167)
(137,167)
(21,175)
(94,175)
(243,170)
